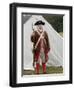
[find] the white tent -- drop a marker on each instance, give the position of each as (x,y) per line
(56,42)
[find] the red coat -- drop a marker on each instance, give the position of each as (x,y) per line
(34,38)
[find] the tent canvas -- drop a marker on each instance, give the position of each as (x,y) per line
(56,42)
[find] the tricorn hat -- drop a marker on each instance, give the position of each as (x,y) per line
(39,23)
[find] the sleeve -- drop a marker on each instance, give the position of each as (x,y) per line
(47,41)
(33,37)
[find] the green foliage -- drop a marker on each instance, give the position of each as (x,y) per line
(56,21)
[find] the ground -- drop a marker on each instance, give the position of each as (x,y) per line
(50,70)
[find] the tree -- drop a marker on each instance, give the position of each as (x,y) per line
(56,21)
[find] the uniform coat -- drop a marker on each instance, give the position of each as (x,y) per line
(36,51)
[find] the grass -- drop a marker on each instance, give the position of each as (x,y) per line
(50,70)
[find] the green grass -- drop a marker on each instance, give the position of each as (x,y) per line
(50,70)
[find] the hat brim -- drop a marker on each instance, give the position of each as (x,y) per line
(39,23)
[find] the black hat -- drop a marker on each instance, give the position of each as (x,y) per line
(39,23)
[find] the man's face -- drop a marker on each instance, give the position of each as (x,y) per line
(40,28)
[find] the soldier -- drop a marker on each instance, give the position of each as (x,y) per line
(41,46)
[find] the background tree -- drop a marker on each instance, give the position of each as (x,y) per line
(56,21)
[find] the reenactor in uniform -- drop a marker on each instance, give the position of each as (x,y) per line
(41,46)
